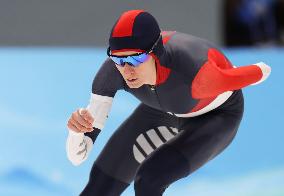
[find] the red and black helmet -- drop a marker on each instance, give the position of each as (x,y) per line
(135,29)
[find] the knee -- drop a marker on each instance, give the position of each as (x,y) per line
(102,184)
(142,179)
(146,181)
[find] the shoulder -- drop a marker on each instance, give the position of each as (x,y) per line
(108,78)
(189,47)
(109,70)
(186,54)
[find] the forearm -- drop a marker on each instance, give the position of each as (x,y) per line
(237,78)
(99,107)
(79,145)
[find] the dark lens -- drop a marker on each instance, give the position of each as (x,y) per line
(118,61)
(121,62)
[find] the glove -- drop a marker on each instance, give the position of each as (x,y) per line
(78,147)
(266,70)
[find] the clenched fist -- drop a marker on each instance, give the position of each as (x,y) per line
(81,121)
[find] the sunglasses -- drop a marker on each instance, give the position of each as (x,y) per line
(133,60)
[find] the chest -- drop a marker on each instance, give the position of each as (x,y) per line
(174,95)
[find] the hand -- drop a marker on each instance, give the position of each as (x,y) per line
(81,121)
(265,69)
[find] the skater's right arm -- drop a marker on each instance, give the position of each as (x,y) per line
(85,124)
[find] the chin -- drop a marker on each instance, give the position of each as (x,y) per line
(137,85)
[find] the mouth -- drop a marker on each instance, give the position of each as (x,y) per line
(132,80)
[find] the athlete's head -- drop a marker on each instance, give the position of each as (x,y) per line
(134,40)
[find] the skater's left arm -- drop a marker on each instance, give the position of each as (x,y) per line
(217,75)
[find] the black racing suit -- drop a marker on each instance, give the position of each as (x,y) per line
(186,119)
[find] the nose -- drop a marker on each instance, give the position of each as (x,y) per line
(128,70)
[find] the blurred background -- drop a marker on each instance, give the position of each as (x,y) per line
(50,52)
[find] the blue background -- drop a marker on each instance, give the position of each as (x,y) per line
(41,87)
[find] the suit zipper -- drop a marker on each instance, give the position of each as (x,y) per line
(153,89)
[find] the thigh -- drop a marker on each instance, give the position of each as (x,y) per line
(142,133)
(201,139)
(205,136)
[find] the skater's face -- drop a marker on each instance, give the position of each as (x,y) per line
(135,77)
